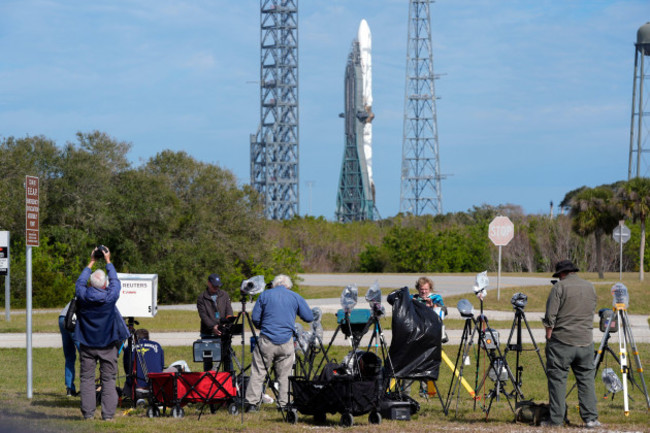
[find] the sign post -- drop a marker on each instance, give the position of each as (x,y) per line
(621,235)
(501,231)
(4,270)
(31,240)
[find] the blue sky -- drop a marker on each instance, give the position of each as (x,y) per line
(535,96)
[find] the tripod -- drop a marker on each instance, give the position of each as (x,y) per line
(307,363)
(499,370)
(625,338)
(469,330)
(135,357)
(516,325)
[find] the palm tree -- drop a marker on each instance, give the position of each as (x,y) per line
(634,200)
(593,211)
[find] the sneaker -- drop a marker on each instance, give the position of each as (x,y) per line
(593,424)
(69,392)
(267,399)
(251,408)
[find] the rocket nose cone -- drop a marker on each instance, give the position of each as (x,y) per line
(364,30)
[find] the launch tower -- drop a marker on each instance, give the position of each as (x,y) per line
(274,149)
(420,185)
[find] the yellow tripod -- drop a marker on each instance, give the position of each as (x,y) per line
(625,339)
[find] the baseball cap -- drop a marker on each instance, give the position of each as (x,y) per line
(215,280)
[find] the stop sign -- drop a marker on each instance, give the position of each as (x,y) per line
(501,231)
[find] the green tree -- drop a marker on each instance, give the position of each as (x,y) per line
(634,201)
(593,211)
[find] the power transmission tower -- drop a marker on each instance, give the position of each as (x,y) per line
(274,149)
(420,187)
(639,127)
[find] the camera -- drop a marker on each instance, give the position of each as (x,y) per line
(519,300)
(253,286)
(99,252)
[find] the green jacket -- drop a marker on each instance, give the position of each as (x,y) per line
(570,311)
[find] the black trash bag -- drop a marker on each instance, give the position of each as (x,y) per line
(417,331)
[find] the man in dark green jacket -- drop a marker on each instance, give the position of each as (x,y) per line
(569,321)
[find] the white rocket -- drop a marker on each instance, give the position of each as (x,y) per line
(365,46)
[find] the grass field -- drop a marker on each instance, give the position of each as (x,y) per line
(50,410)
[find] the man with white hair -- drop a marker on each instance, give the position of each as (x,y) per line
(274,314)
(100,332)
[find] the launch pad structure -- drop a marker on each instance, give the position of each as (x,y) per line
(274,148)
(420,191)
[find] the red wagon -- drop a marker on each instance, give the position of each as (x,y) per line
(175,390)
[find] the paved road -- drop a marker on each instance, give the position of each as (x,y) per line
(445,285)
(638,325)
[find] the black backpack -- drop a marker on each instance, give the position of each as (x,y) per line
(71,316)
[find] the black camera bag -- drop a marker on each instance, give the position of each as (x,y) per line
(71,316)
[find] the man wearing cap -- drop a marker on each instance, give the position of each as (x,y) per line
(569,321)
(214,309)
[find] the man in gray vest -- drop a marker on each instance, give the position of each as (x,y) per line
(569,343)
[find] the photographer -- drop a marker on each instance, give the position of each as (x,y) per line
(425,295)
(215,311)
(569,343)
(275,315)
(100,331)
(424,286)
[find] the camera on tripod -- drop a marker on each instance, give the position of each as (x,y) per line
(607,316)
(519,300)
(253,286)
(490,339)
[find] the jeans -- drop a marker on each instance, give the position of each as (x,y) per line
(70,353)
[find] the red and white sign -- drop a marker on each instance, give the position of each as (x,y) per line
(501,231)
(31,211)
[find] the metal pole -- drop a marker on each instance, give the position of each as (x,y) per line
(8,281)
(499,277)
(29,321)
(620,265)
(7,294)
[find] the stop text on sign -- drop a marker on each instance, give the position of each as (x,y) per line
(501,231)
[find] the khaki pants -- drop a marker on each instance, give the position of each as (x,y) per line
(267,353)
(107,358)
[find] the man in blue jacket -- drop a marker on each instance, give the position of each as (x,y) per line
(274,315)
(100,331)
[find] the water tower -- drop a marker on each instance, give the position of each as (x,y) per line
(639,123)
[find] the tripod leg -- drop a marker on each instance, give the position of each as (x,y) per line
(530,333)
(624,367)
(637,360)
